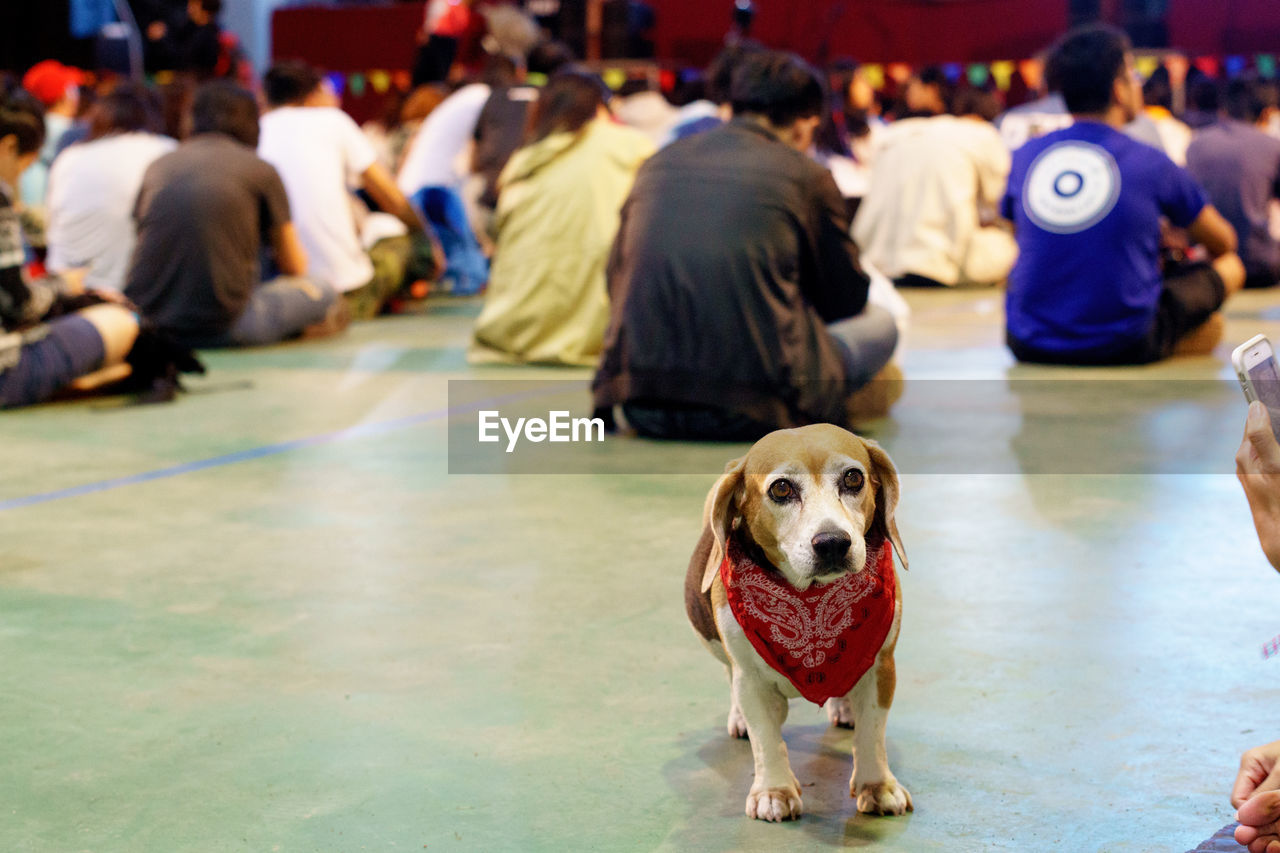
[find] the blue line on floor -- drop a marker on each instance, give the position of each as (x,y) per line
(358,431)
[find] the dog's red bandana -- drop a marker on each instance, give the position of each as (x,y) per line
(823,639)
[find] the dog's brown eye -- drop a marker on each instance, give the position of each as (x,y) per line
(854,479)
(782,491)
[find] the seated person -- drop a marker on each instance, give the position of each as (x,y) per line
(737,302)
(556,219)
(928,216)
(204,213)
(1087,203)
(93,185)
(45,345)
(1238,164)
(317,150)
(57,86)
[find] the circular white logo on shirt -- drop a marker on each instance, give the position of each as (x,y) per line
(1071,186)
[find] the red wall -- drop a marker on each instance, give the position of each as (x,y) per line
(922,32)
(1225,27)
(919,33)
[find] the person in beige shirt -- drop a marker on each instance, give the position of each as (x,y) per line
(929,213)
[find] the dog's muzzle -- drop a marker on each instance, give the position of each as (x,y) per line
(831,550)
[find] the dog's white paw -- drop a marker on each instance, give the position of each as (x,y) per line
(840,712)
(737,722)
(776,804)
(883,798)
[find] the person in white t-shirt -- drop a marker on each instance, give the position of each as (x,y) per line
(437,154)
(93,187)
(929,213)
(321,156)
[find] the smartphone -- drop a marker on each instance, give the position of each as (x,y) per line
(1259,374)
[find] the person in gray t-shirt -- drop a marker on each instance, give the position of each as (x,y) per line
(204,213)
(1238,165)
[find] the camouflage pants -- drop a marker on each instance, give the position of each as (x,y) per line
(390,258)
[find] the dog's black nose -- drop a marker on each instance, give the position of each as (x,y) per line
(831,548)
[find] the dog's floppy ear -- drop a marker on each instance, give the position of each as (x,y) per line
(719,513)
(886,479)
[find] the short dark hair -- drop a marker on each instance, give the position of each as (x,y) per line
(565,105)
(289,82)
(223,107)
(971,101)
(129,108)
(720,72)
(780,86)
(1083,66)
(548,57)
(500,71)
(1158,90)
(1203,92)
(1248,97)
(21,115)
(212,7)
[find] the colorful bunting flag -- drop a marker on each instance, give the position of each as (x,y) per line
(874,75)
(1207,64)
(1002,71)
(380,81)
(1032,71)
(953,71)
(614,78)
(1266,65)
(337,81)
(899,72)
(355,83)
(1147,65)
(978,74)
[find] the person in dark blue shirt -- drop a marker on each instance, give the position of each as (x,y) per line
(1092,208)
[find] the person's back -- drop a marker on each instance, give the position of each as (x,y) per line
(1087,202)
(94,186)
(1239,167)
(319,153)
(712,272)
(556,220)
(202,213)
(921,211)
(430,159)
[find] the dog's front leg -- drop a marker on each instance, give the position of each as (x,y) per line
(873,783)
(775,793)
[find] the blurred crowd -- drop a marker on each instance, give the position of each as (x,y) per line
(727,252)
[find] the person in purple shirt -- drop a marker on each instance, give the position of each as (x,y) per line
(1239,167)
(1091,208)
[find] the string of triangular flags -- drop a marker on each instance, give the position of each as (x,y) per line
(378,81)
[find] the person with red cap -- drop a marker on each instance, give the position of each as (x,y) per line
(57,87)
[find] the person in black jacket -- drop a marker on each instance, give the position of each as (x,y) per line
(738,304)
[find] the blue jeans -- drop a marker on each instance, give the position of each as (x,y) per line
(65,349)
(866,343)
(278,309)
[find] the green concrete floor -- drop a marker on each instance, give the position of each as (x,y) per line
(335,645)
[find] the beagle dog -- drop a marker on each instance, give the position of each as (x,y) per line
(792,587)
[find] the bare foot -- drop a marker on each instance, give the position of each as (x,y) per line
(873,400)
(1203,338)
